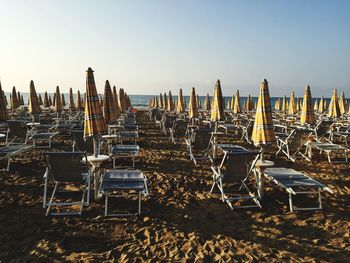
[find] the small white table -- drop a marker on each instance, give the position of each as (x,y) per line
(110,138)
(96,162)
(260,168)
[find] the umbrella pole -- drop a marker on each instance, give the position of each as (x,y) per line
(214,141)
(95,146)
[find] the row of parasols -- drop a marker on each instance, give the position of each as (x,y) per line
(336,108)
(112,103)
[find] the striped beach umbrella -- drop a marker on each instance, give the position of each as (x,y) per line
(207,103)
(342,104)
(333,109)
(263,133)
(165,102)
(94,123)
(40,100)
(292,105)
(316,105)
(71,104)
(180,108)
(237,105)
(109,112)
(321,108)
(34,107)
(192,107)
(171,105)
(46,100)
(3,110)
(217,109)
(58,100)
(307,112)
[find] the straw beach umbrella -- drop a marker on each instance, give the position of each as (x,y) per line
(192,108)
(34,107)
(180,108)
(237,105)
(333,109)
(109,112)
(307,112)
(94,123)
(263,133)
(292,107)
(3,110)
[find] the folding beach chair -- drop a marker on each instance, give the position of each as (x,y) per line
(116,181)
(343,133)
(247,128)
(66,168)
(168,122)
(178,130)
(124,151)
(235,168)
(17,132)
(198,144)
(80,144)
(328,148)
(292,145)
(296,183)
(10,152)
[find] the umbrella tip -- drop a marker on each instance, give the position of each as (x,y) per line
(89,69)
(265,81)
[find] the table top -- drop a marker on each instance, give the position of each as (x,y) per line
(33,123)
(111,136)
(2,135)
(98,158)
(264,163)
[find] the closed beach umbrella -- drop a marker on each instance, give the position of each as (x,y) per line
(14,101)
(217,110)
(228,106)
(116,102)
(180,108)
(3,110)
(34,107)
(63,100)
(307,112)
(284,105)
(171,105)
(342,103)
(58,100)
(161,104)
(198,102)
(278,104)
(54,100)
(263,133)
(292,107)
(19,99)
(321,105)
(232,101)
(71,104)
(40,100)
(50,101)
(333,109)
(316,105)
(46,100)
(249,104)
(109,112)
(192,108)
(78,103)
(207,103)
(165,102)
(94,123)
(237,105)
(300,103)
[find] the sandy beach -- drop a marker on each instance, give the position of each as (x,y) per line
(181,220)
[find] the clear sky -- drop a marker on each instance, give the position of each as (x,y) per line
(151,46)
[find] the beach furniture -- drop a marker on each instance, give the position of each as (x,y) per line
(246,128)
(328,148)
(167,122)
(198,144)
(66,168)
(121,181)
(235,169)
(80,144)
(178,130)
(342,132)
(124,151)
(296,183)
(125,135)
(10,152)
(293,144)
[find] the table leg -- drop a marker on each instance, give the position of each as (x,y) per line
(96,172)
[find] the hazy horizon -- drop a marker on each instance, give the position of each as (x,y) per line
(149,47)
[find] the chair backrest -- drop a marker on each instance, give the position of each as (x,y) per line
(80,144)
(66,166)
(323,128)
(237,164)
(168,121)
(17,128)
(201,138)
(180,127)
(297,139)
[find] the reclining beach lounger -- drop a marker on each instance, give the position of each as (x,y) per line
(124,151)
(198,144)
(10,152)
(296,183)
(66,168)
(328,148)
(114,181)
(236,167)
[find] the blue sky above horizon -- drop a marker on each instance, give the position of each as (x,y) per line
(148,47)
